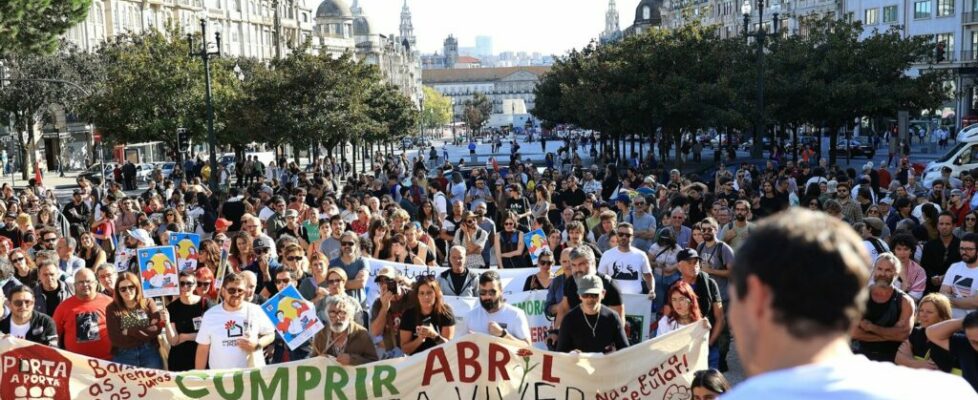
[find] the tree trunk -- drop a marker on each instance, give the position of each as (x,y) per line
(833,142)
(23,149)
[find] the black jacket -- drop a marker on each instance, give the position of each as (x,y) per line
(42,329)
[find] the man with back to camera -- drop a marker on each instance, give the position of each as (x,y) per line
(795,348)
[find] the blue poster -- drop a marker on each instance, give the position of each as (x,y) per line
(158,271)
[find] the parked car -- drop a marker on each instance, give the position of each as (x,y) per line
(144,171)
(854,148)
(94,173)
(166,168)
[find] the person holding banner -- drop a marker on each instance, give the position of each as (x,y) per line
(495,317)
(183,318)
(431,322)
(134,324)
(284,278)
(578,334)
(582,263)
(344,340)
(233,334)
(800,349)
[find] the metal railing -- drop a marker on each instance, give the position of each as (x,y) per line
(969,17)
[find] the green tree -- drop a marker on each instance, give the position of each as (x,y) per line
(437,109)
(33,26)
(31,98)
(477,111)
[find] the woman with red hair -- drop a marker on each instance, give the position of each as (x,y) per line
(681,309)
(205,284)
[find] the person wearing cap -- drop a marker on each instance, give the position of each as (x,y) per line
(293,228)
(387,309)
(265,265)
(708,295)
(77,212)
(222,225)
(591,327)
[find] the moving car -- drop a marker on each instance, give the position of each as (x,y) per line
(854,148)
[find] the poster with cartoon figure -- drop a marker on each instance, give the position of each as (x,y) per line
(187,245)
(293,317)
(536,242)
(122,257)
(158,271)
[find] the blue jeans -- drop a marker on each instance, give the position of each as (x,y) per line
(145,356)
(662,285)
(713,360)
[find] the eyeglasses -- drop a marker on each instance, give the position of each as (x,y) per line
(234,291)
(624,234)
(334,281)
(347,244)
(22,303)
(546,262)
(204,284)
(508,224)
(971,219)
(294,258)
(680,299)
(127,288)
(17,260)
(338,313)
(187,283)
(283,281)
(261,251)
(589,295)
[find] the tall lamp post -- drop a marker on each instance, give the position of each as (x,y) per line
(206,55)
(757,150)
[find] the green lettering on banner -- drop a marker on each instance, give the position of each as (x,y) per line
(384,376)
(336,379)
(235,379)
(361,384)
(307,379)
(531,307)
(192,393)
(280,378)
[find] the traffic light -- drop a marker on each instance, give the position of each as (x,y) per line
(183,140)
(939,49)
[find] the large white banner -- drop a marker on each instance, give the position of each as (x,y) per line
(469,367)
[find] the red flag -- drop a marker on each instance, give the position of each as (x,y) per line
(37,173)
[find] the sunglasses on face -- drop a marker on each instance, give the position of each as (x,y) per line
(334,281)
(546,262)
(589,295)
(22,303)
(294,258)
(126,289)
(283,281)
(187,283)
(261,251)
(347,244)
(204,284)
(234,291)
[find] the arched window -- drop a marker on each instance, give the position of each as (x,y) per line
(646,12)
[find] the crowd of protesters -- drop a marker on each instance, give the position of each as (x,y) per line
(674,238)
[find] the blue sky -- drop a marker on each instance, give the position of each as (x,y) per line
(547,26)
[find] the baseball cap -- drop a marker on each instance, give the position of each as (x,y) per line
(875,223)
(262,242)
(222,224)
(624,198)
(687,254)
(957,192)
(142,236)
(590,284)
(386,272)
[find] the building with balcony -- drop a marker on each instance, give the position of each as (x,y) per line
(949,25)
(510,89)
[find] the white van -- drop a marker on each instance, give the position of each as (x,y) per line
(960,158)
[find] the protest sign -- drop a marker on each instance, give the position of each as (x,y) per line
(536,243)
(294,318)
(158,271)
(187,246)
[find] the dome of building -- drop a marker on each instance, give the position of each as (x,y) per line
(362,25)
(333,9)
(647,13)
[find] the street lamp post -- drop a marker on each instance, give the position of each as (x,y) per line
(206,55)
(757,150)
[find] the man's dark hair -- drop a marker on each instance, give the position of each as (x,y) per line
(801,255)
(488,277)
(948,214)
(903,239)
(970,237)
(970,320)
(901,203)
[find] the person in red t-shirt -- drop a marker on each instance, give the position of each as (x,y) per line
(80,319)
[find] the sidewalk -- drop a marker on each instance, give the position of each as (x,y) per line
(50,179)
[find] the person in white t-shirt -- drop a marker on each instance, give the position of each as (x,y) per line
(627,265)
(233,334)
(800,349)
(961,280)
(495,317)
